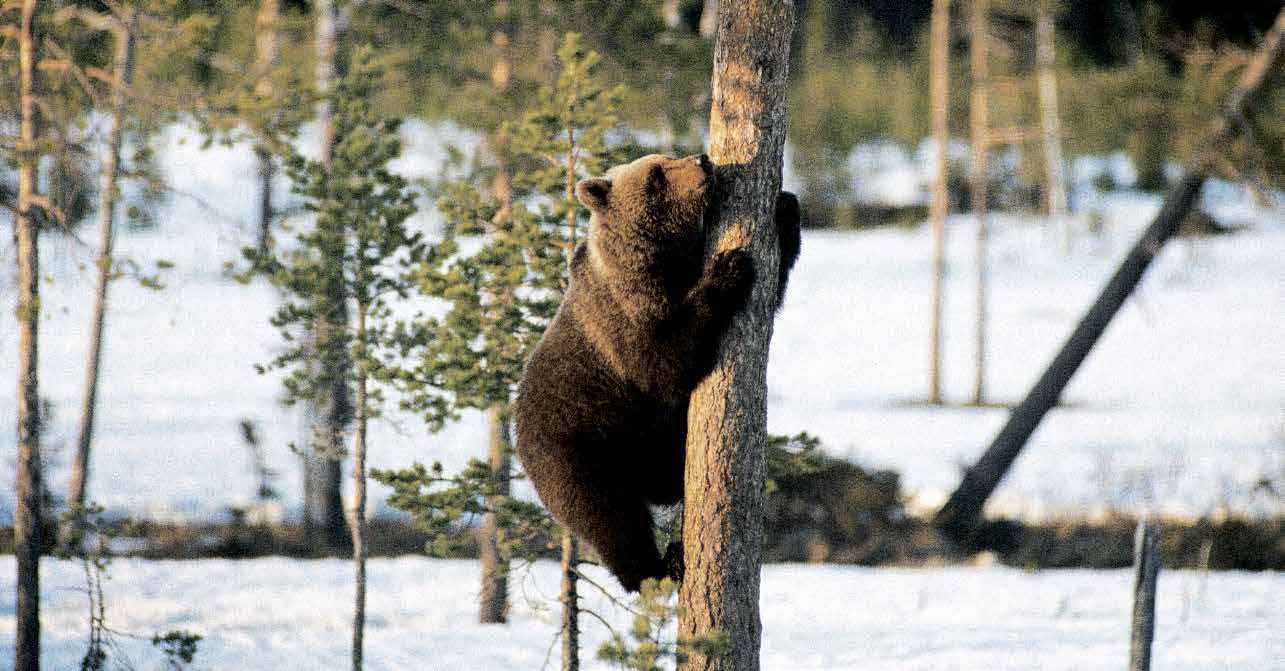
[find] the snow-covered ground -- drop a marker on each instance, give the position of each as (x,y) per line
(282,614)
(1180,408)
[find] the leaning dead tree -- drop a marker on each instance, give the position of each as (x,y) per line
(962,514)
(727,420)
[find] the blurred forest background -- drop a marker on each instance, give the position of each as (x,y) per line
(1140,76)
(1136,80)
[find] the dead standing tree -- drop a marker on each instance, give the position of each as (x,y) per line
(961,516)
(723,514)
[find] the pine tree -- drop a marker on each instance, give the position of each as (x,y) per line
(501,296)
(361,210)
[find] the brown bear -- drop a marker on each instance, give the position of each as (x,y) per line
(601,411)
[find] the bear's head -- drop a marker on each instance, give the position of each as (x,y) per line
(648,210)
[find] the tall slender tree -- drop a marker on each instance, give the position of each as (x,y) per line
(727,419)
(361,210)
(939,95)
(27,524)
(978,108)
(123,25)
(265,59)
(27,527)
(331,407)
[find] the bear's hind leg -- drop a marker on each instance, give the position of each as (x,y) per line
(620,530)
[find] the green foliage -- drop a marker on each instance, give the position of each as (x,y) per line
(792,457)
(822,507)
(356,250)
(264,107)
(500,297)
(440,504)
(179,647)
(655,611)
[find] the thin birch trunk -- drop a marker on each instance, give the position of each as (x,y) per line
(265,50)
(122,77)
(723,510)
(570,600)
(493,601)
(960,517)
(27,513)
(358,521)
(939,85)
(1050,122)
(981,149)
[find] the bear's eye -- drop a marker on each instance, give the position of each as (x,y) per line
(655,179)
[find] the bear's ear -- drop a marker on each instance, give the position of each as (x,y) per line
(594,193)
(656,179)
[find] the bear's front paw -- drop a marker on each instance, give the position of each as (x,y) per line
(732,274)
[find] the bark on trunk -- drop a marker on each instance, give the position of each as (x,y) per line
(493,600)
(122,77)
(960,517)
(981,151)
(939,85)
(358,521)
(723,511)
(27,513)
(570,602)
(1050,123)
(323,503)
(265,48)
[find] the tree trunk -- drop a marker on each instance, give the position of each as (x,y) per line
(960,517)
(1146,569)
(122,76)
(723,511)
(570,602)
(358,521)
(265,56)
(1050,123)
(709,19)
(27,525)
(939,85)
(493,601)
(981,149)
(323,503)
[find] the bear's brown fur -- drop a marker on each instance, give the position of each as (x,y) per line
(601,412)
